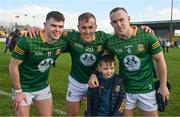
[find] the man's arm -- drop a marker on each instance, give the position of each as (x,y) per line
(14,72)
(15,78)
(162,73)
(93,81)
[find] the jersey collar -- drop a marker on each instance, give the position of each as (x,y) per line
(43,36)
(135,28)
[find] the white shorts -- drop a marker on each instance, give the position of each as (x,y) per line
(76,91)
(37,95)
(145,101)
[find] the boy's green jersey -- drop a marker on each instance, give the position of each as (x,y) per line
(135,59)
(37,57)
(84,56)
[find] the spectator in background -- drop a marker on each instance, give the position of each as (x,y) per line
(14,39)
(167,44)
(162,43)
(7,43)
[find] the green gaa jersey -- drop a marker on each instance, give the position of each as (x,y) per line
(84,56)
(135,59)
(37,56)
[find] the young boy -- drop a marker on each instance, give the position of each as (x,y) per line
(108,98)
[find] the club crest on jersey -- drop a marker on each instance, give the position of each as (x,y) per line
(140,47)
(132,63)
(88,59)
(45,64)
(58,51)
(99,48)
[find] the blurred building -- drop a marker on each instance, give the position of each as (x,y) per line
(162,29)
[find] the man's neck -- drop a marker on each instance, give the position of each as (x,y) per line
(128,34)
(48,40)
(88,42)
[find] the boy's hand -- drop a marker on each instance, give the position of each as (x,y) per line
(93,81)
(33,31)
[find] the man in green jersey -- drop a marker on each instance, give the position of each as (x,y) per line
(136,50)
(30,64)
(85,48)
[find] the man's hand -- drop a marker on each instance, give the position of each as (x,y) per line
(33,31)
(147,29)
(17,100)
(93,81)
(163,90)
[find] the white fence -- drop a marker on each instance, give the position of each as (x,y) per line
(2,39)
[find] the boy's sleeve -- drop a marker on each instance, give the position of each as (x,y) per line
(119,107)
(66,37)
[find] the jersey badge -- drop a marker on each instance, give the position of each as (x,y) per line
(58,51)
(140,47)
(99,48)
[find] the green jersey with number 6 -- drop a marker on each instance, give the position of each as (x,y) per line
(37,56)
(135,59)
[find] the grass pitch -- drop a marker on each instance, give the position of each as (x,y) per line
(58,81)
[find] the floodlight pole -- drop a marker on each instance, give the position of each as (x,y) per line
(171,30)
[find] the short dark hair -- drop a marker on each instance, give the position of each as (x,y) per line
(55,15)
(106,59)
(117,9)
(86,16)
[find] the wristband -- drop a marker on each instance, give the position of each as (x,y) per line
(18,91)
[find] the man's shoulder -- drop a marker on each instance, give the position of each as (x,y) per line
(70,33)
(142,32)
(102,33)
(142,35)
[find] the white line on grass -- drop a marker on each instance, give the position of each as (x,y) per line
(55,110)
(5,93)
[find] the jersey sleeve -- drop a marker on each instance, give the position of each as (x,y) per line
(20,49)
(66,37)
(154,45)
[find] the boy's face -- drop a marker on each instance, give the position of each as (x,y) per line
(107,69)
